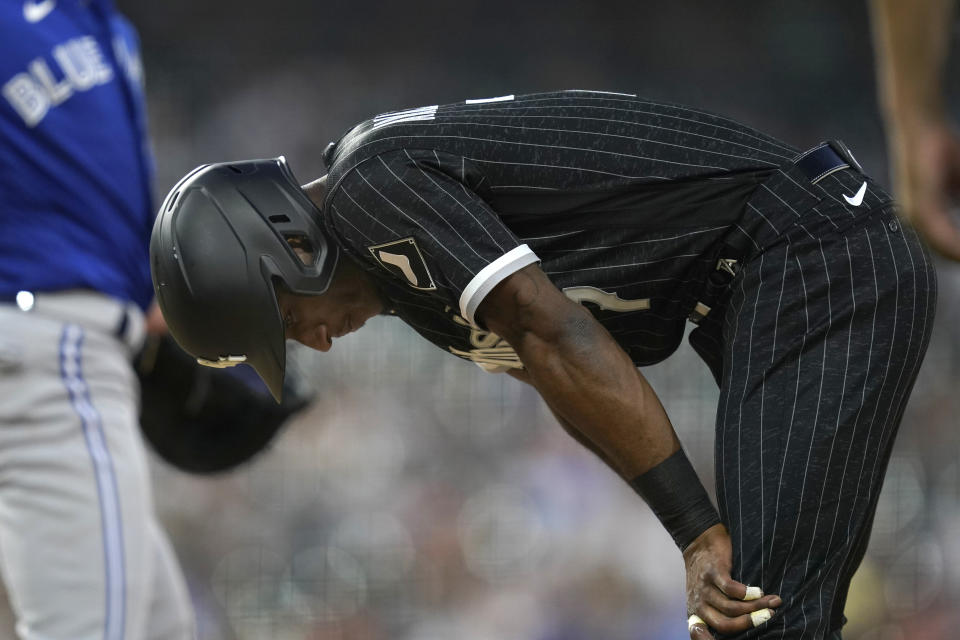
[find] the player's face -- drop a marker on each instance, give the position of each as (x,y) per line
(315,321)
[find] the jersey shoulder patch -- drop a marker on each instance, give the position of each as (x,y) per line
(403,258)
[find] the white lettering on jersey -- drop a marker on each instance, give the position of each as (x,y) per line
(493,354)
(27,97)
(490,352)
(56,91)
(129,60)
(420,113)
(83,63)
(497,99)
(605,299)
(82,66)
(609,93)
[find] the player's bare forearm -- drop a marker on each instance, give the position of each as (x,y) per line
(581,372)
(602,400)
(521,374)
(911,39)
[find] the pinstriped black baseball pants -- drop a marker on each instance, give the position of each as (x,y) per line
(822,335)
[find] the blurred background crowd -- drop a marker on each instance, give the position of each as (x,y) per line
(419,498)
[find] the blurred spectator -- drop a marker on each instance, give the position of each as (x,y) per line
(912,41)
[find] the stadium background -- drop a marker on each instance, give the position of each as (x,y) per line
(420,499)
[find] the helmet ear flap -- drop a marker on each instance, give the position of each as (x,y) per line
(295,221)
(225,236)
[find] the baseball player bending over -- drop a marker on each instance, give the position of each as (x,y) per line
(566,238)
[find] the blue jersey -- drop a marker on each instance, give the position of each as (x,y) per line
(75,165)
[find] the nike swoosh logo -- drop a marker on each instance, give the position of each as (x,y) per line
(37,11)
(857,198)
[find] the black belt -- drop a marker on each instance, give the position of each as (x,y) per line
(817,163)
(826,158)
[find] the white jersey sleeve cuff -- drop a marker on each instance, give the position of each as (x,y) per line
(492,275)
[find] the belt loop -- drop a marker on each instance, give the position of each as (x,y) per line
(121,329)
(844,152)
(132,327)
(824,159)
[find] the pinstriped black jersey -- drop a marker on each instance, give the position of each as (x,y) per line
(622,201)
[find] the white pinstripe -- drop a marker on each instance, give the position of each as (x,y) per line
(347,220)
(439,186)
(883,383)
(415,223)
(463,172)
(863,389)
(743,395)
(826,195)
(784,202)
(898,413)
(419,294)
(856,422)
(816,210)
(523,105)
(749,237)
(786,175)
(620,266)
(726,401)
(558,235)
(435,212)
(597,134)
(524,186)
(609,93)
(763,217)
(763,391)
(910,333)
(816,421)
(843,390)
(635,242)
(793,415)
(559,147)
(873,470)
(361,207)
(569,168)
(678,280)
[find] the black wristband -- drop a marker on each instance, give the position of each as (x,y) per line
(673,491)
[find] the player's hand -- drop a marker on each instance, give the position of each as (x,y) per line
(712,594)
(925,169)
(156,325)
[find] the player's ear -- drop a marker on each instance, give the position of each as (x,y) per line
(316,191)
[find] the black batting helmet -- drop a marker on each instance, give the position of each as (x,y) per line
(224,236)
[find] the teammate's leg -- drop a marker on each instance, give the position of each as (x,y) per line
(74,493)
(156,594)
(823,337)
